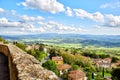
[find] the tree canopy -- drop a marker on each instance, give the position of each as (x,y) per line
(115,74)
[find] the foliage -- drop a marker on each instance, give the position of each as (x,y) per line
(3,40)
(31,52)
(52,53)
(99,77)
(115,74)
(41,48)
(50,65)
(75,59)
(75,67)
(93,54)
(114,59)
(64,75)
(73,51)
(21,46)
(89,71)
(39,55)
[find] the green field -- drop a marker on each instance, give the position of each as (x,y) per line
(65,45)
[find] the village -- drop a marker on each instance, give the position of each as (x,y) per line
(86,68)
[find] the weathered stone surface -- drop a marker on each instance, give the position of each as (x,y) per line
(24,66)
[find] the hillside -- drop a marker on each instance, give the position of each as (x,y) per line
(85,40)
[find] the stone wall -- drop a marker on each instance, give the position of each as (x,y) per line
(23,66)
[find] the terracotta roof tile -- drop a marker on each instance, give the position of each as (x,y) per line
(63,67)
(76,74)
(57,58)
(107,59)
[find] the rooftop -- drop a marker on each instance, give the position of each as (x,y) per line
(76,74)
(57,58)
(107,59)
(63,67)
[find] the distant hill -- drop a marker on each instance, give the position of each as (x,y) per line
(95,40)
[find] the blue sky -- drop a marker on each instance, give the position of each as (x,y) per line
(97,17)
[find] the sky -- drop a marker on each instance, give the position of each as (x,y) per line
(95,17)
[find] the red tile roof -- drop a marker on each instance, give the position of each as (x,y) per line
(57,58)
(76,74)
(107,59)
(118,63)
(63,67)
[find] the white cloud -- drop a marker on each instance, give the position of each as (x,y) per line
(52,6)
(80,13)
(5,23)
(112,21)
(59,28)
(54,27)
(97,16)
(27,27)
(2,10)
(27,18)
(31,18)
(15,32)
(13,12)
(112,5)
(36,30)
(104,5)
(40,18)
(69,11)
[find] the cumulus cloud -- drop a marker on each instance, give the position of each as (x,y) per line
(57,27)
(2,10)
(97,16)
(52,6)
(51,26)
(6,23)
(69,11)
(112,21)
(31,18)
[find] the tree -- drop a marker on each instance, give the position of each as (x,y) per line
(31,52)
(89,71)
(75,67)
(115,74)
(21,46)
(3,40)
(99,77)
(41,47)
(52,53)
(114,59)
(50,65)
(39,55)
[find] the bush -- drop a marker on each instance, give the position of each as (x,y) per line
(39,55)
(115,74)
(3,40)
(21,46)
(50,65)
(75,67)
(114,59)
